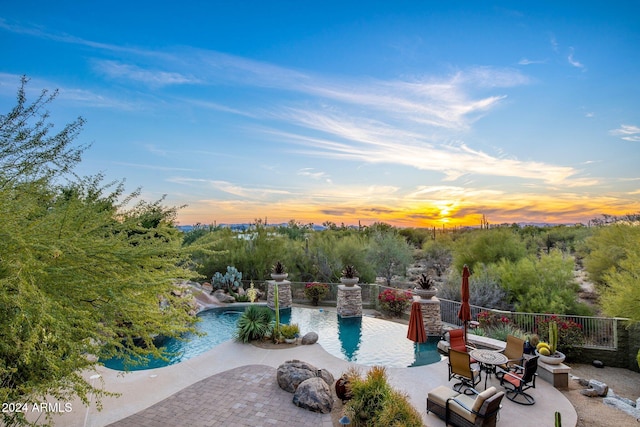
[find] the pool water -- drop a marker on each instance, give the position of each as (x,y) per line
(364,340)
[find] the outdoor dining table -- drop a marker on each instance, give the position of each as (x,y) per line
(488,360)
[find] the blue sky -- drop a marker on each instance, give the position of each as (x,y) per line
(413,113)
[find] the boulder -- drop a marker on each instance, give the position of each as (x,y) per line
(599,386)
(598,364)
(293,372)
(222,297)
(589,392)
(310,338)
(326,376)
(315,395)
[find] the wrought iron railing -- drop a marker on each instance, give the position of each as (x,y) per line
(598,332)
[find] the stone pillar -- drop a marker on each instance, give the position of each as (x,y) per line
(349,301)
(431,316)
(284,294)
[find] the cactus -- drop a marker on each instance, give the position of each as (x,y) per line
(553,337)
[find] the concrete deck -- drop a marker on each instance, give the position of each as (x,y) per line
(234,384)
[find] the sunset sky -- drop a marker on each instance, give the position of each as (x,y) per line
(414,113)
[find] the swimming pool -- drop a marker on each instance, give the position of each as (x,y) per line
(364,340)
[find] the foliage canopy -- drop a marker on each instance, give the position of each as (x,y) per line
(80,273)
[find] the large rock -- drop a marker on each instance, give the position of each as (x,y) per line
(293,372)
(589,392)
(222,297)
(314,394)
(310,338)
(599,386)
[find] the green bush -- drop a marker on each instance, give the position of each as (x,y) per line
(542,284)
(484,288)
(289,331)
(375,404)
(398,412)
(254,323)
(500,331)
(488,246)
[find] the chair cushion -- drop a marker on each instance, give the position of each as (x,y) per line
(439,395)
(482,397)
(513,378)
(467,401)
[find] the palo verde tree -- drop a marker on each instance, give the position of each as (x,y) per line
(81,271)
(389,253)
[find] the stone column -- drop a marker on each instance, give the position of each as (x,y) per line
(431,316)
(284,294)
(349,301)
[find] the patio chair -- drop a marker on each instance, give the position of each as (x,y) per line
(517,383)
(514,351)
(457,342)
(460,369)
(470,411)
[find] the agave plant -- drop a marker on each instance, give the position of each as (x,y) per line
(425,282)
(350,272)
(254,324)
(278,268)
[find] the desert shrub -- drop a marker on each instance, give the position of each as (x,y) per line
(484,288)
(500,331)
(438,254)
(487,247)
(375,404)
(289,331)
(398,412)
(542,284)
(254,323)
(607,247)
(394,301)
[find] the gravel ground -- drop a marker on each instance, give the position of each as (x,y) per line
(591,411)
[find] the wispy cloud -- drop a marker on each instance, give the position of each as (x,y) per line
(311,173)
(83,97)
(154,167)
(554,42)
(627,132)
(526,61)
(374,142)
(574,62)
(154,78)
(234,189)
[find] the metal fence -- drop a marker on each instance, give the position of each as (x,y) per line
(599,332)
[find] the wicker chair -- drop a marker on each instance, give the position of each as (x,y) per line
(460,369)
(456,409)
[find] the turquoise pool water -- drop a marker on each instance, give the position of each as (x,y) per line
(364,340)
